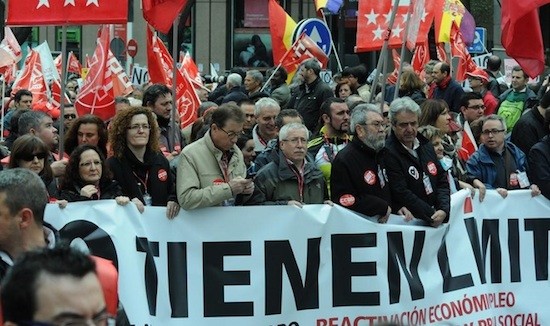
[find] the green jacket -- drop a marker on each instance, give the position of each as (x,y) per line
(277,184)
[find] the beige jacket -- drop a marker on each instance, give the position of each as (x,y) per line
(200,181)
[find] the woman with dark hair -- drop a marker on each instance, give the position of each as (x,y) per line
(343,90)
(87,129)
(138,164)
(87,177)
(246,145)
(30,152)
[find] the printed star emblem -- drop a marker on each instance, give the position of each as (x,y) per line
(41,3)
(378,33)
(69,2)
(387,17)
(405,16)
(396,31)
(371,17)
(89,2)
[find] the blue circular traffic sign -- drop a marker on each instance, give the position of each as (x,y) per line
(317,30)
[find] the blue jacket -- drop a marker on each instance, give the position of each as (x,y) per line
(481,166)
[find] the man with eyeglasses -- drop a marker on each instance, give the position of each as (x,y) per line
(211,170)
(69,116)
(290,179)
(359,169)
(58,286)
(478,80)
(471,108)
(497,164)
(332,137)
(416,178)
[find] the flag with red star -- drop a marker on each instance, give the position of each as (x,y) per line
(66,12)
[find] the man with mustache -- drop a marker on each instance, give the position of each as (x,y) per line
(416,178)
(290,179)
(359,168)
(332,137)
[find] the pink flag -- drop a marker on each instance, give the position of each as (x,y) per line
(10,51)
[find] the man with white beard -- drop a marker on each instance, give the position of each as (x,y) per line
(358,173)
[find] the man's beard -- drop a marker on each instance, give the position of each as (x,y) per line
(375,142)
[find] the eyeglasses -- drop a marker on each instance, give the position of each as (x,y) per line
(492,131)
(404,125)
(295,141)
(232,134)
(69,116)
(30,157)
(477,107)
(138,127)
(377,124)
(88,164)
(103,319)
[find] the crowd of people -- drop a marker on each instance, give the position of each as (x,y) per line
(257,144)
(270,144)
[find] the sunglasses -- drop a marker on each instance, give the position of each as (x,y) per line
(30,157)
(70,116)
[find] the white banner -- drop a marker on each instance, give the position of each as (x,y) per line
(323,265)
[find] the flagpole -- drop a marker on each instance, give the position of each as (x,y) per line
(271,76)
(383,53)
(405,36)
(173,115)
(62,95)
(332,44)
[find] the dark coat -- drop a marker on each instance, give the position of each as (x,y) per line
(360,179)
(406,174)
(107,190)
(131,173)
(529,130)
(307,99)
(539,165)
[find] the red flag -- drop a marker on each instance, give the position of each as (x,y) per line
(421,57)
(161,14)
(281,27)
(32,78)
(304,48)
(96,95)
(441,53)
(73,65)
(9,72)
(10,50)
(392,78)
(468,144)
(458,49)
(68,12)
(56,95)
(116,75)
(187,64)
(160,66)
(372,25)
(521,34)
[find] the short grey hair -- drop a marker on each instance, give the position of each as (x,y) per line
(256,75)
(494,117)
(403,104)
(283,133)
(23,188)
(313,64)
(359,115)
(264,103)
(30,120)
(234,79)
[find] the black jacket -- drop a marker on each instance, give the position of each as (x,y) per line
(107,190)
(529,130)
(360,181)
(406,174)
(132,173)
(539,165)
(307,99)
